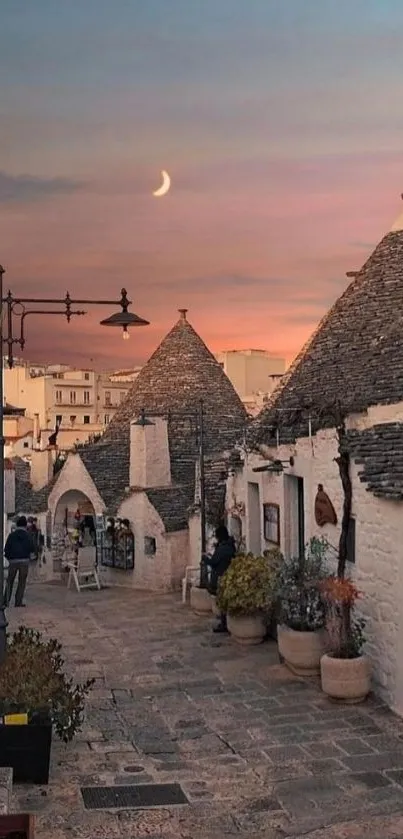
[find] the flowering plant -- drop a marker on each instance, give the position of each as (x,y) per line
(345,633)
(300,602)
(248,586)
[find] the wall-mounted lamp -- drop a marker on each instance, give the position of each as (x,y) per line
(143,420)
(275,466)
(124,319)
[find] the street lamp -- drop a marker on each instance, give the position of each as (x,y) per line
(15,308)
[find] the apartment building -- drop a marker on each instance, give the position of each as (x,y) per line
(80,402)
(253,373)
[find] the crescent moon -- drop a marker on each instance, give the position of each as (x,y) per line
(166,183)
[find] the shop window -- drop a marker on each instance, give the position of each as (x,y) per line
(118,547)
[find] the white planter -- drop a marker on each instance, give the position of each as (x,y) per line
(247,630)
(347,679)
(301,651)
(200,601)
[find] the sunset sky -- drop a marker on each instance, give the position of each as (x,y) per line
(280,122)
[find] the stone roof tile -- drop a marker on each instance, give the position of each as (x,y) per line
(355,356)
(379,450)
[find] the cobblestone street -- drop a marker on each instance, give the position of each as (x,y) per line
(257,751)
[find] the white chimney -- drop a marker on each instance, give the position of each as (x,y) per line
(150,464)
(42,462)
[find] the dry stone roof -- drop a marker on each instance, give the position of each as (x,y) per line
(380,451)
(180,373)
(354,358)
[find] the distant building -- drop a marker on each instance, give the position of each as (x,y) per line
(80,402)
(253,373)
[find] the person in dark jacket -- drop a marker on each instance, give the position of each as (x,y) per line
(219,563)
(18,550)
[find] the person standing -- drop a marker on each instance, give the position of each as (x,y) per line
(219,562)
(18,550)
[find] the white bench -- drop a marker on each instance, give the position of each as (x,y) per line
(83,570)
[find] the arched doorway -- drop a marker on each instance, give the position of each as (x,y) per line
(74,521)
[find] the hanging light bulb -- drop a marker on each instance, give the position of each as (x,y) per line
(126,333)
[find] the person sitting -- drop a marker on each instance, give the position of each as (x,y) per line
(219,562)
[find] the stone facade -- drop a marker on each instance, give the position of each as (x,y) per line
(378,568)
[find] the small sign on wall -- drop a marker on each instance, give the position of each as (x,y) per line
(271,523)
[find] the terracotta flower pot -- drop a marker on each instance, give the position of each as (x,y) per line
(200,600)
(247,630)
(347,679)
(301,651)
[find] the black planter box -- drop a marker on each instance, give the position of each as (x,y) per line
(26,749)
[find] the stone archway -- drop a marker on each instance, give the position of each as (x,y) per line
(65,521)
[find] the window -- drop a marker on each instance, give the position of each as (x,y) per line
(73,397)
(150,545)
(86,397)
(87,377)
(122,396)
(58,419)
(26,445)
(108,400)
(106,419)
(73,419)
(59,396)
(86,419)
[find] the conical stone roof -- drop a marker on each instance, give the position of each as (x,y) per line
(354,358)
(180,373)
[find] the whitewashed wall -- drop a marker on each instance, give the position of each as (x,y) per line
(378,570)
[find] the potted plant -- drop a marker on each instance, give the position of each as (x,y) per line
(245,595)
(301,610)
(345,670)
(36,696)
(276,560)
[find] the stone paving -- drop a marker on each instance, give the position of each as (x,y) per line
(258,752)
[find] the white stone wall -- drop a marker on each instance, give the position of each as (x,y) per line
(162,571)
(74,477)
(379,539)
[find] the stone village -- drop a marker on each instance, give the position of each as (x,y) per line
(342,394)
(323,458)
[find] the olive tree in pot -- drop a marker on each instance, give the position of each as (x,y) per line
(34,686)
(301,611)
(246,595)
(345,670)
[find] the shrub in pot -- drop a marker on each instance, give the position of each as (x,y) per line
(275,559)
(33,684)
(245,595)
(345,670)
(200,598)
(301,609)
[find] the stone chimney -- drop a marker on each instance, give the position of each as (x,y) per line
(150,464)
(42,462)
(9,486)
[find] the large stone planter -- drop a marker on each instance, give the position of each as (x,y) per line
(301,651)
(247,630)
(200,600)
(347,679)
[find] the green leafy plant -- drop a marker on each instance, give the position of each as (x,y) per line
(33,681)
(345,633)
(300,604)
(248,587)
